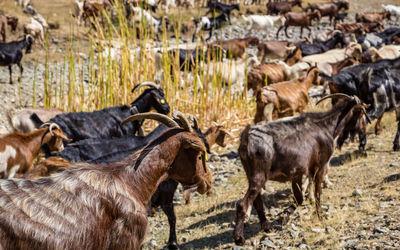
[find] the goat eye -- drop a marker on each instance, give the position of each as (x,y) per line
(162,101)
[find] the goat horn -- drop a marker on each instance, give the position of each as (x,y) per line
(195,123)
(144,84)
(334,95)
(51,127)
(167,121)
(185,123)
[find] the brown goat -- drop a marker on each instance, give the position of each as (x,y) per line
(330,9)
(294,57)
(285,98)
(376,17)
(287,149)
(281,7)
(274,49)
(358,28)
(46,167)
(3,27)
(13,22)
(236,47)
(91,9)
(265,73)
(19,150)
(111,198)
(336,67)
(303,20)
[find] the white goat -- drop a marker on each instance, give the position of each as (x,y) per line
(334,55)
(295,71)
(386,52)
(230,71)
(78,11)
(36,29)
(166,4)
(263,22)
(395,10)
(155,22)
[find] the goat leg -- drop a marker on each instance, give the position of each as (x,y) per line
(378,128)
(252,192)
(319,176)
(286,32)
(396,146)
(259,206)
(277,33)
(10,70)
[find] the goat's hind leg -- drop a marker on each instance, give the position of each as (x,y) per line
(10,70)
(396,146)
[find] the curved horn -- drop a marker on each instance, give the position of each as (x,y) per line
(144,84)
(195,123)
(151,115)
(185,123)
(334,95)
(51,127)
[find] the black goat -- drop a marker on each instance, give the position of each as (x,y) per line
(317,48)
(275,151)
(11,53)
(105,123)
(353,81)
(388,34)
(213,5)
(207,23)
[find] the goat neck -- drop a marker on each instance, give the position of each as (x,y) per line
(34,140)
(311,78)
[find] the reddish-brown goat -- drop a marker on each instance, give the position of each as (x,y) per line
(265,73)
(376,17)
(13,22)
(236,47)
(111,198)
(303,20)
(285,98)
(91,9)
(279,49)
(19,150)
(3,27)
(281,7)
(330,9)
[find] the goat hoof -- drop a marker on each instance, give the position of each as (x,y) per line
(239,240)
(173,245)
(396,147)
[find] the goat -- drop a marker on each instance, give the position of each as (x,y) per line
(155,22)
(103,151)
(3,27)
(285,98)
(279,49)
(347,28)
(317,48)
(46,167)
(21,121)
(369,40)
(332,69)
(354,80)
(299,19)
(186,3)
(376,17)
(236,47)
(109,223)
(208,24)
(19,150)
(262,22)
(385,52)
(93,9)
(272,151)
(330,9)
(36,28)
(13,22)
(11,53)
(273,73)
(281,7)
(105,123)
(213,5)
(393,9)
(388,34)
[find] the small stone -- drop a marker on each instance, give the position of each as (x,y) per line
(394,164)
(304,246)
(268,243)
(357,192)
(381,230)
(350,243)
(238,248)
(214,158)
(318,230)
(153,244)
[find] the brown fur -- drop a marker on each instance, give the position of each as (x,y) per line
(93,206)
(336,67)
(302,20)
(27,147)
(13,22)
(275,49)
(287,97)
(281,7)
(3,28)
(236,47)
(329,9)
(271,72)
(376,17)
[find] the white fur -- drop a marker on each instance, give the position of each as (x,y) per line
(263,22)
(395,10)
(8,153)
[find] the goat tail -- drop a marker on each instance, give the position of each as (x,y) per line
(36,120)
(10,119)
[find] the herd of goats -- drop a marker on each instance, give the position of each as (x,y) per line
(100,174)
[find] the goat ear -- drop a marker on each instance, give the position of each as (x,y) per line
(61,135)
(190,142)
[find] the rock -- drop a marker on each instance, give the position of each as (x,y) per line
(304,246)
(357,192)
(266,242)
(394,164)
(351,243)
(381,230)
(55,41)
(214,158)
(153,244)
(318,230)
(238,248)
(293,234)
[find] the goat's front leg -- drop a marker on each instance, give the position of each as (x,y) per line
(255,185)
(378,128)
(301,32)
(277,33)
(167,190)
(396,146)
(21,70)
(10,70)
(286,27)
(309,31)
